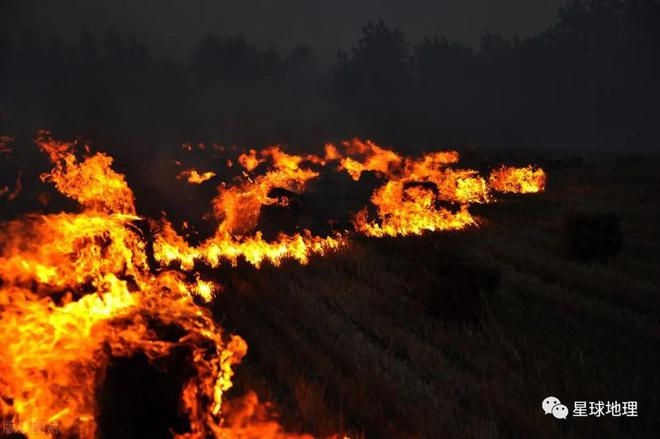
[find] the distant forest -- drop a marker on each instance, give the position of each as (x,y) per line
(591,79)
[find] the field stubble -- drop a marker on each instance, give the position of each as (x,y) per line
(463,334)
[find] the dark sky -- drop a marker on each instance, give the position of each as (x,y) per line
(327,25)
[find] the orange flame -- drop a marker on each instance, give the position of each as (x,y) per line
(416,196)
(250,160)
(193,176)
(518,180)
(91,182)
(375,158)
(76,289)
(238,207)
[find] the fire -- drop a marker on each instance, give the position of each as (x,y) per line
(238,206)
(374,157)
(249,160)
(193,176)
(251,419)
(42,336)
(91,182)
(420,194)
(518,180)
(77,291)
(66,250)
(410,212)
(170,248)
(77,288)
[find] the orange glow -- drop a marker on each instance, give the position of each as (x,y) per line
(238,207)
(374,158)
(171,248)
(91,182)
(77,288)
(205,289)
(410,212)
(249,419)
(518,180)
(249,161)
(421,194)
(192,176)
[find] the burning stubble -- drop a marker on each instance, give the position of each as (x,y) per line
(79,289)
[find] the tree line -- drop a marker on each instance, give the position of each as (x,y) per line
(589,79)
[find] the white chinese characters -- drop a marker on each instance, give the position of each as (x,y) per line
(605,408)
(582,409)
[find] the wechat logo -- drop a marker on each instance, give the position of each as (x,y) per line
(553,406)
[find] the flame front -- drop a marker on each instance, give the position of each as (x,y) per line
(526,180)
(237,209)
(420,194)
(77,289)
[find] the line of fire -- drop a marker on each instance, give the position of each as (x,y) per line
(356,219)
(100,282)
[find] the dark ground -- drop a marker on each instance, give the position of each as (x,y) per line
(457,334)
(416,337)
(446,335)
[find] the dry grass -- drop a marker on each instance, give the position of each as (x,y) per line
(349,343)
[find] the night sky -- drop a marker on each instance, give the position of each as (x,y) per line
(174,25)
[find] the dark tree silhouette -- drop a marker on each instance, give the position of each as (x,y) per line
(589,79)
(115,49)
(376,81)
(5,53)
(88,51)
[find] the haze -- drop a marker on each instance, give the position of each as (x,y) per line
(173,26)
